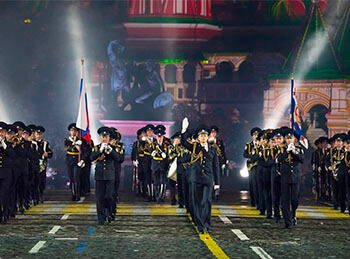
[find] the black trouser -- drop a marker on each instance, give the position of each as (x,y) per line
(202,206)
(341,185)
(42,183)
(116,184)
(159,179)
(147,172)
(104,199)
(260,181)
(35,185)
(13,193)
(186,189)
(290,201)
(266,177)
(85,179)
(276,193)
(74,179)
(253,187)
(23,186)
(348,188)
(180,187)
(4,194)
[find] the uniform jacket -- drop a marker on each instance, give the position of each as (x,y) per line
(290,164)
(104,169)
(204,164)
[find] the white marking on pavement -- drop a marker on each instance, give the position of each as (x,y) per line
(66,238)
(225,219)
(227,210)
(180,211)
(54,230)
(260,252)
(37,247)
(125,231)
(141,210)
(82,199)
(312,213)
(65,217)
(240,234)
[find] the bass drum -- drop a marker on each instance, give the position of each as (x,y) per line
(172,170)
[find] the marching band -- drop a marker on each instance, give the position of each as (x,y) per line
(23,163)
(189,164)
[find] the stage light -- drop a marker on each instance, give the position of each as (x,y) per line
(27,21)
(244,172)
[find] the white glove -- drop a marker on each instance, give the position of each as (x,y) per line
(79,142)
(81,163)
(135,163)
(154,153)
(185,125)
(216,187)
(143,138)
(3,144)
(223,166)
(290,147)
(103,146)
(108,149)
(163,155)
(319,169)
(211,139)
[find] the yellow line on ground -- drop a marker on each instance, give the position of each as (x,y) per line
(124,209)
(215,211)
(76,209)
(162,209)
(248,212)
(210,243)
(331,213)
(38,209)
(302,214)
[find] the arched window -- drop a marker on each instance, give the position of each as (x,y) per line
(224,71)
(170,74)
(189,73)
(246,72)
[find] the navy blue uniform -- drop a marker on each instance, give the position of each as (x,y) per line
(6,160)
(290,181)
(104,177)
(336,159)
(205,171)
(120,156)
(251,153)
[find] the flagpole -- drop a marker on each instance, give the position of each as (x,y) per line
(291,103)
(79,133)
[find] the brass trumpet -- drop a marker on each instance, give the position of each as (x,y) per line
(15,140)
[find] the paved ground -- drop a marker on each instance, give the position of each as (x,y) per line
(59,228)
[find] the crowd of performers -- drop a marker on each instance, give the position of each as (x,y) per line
(273,161)
(23,164)
(190,162)
(331,170)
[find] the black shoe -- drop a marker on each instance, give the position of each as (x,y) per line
(269,216)
(181,206)
(113,217)
(173,202)
(262,213)
(342,210)
(286,226)
(74,198)
(294,221)
(277,219)
(101,222)
(201,232)
(21,210)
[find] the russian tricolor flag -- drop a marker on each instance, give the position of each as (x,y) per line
(83,113)
(295,116)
